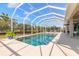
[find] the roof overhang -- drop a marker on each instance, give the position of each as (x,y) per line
(72,9)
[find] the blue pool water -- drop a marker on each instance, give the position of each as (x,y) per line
(36,40)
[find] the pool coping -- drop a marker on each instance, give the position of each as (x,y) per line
(54,33)
(56,38)
(47,50)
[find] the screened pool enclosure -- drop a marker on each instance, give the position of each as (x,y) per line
(41,15)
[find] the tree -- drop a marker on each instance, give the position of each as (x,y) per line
(5,22)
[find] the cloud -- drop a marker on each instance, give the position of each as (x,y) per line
(13,5)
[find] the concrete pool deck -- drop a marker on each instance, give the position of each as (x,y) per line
(65,46)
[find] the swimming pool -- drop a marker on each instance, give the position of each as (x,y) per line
(37,40)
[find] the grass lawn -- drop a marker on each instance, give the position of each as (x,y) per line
(3,36)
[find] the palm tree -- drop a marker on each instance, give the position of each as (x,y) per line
(5,22)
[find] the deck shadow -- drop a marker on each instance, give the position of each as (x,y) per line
(73,43)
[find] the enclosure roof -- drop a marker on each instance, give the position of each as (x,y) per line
(33,12)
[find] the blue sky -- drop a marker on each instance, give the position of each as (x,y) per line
(25,9)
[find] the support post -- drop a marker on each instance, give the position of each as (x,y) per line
(71,28)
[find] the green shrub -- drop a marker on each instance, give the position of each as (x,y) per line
(10,34)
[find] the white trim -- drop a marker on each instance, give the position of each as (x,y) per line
(49,18)
(39,1)
(36,11)
(30,5)
(44,8)
(47,21)
(57,8)
(46,15)
(13,15)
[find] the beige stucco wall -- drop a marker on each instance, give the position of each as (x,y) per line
(72,8)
